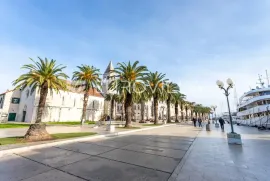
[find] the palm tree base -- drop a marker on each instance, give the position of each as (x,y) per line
(37,132)
(177,121)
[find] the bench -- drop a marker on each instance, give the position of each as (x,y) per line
(116,123)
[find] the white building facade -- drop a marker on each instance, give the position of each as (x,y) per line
(21,105)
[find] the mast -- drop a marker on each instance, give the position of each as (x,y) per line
(260,81)
(267,78)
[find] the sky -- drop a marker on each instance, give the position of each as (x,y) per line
(194,42)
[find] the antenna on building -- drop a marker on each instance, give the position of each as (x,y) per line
(267,78)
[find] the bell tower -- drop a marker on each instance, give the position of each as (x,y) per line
(108,76)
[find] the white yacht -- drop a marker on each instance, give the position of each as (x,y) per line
(254,106)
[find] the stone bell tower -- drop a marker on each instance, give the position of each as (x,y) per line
(108,77)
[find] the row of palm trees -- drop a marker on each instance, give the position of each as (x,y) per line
(133,83)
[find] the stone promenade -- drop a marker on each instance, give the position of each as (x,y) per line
(170,153)
(212,159)
(144,155)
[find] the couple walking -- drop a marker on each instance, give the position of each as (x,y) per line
(195,121)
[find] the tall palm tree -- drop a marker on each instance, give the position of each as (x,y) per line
(171,89)
(46,76)
(187,107)
(182,106)
(177,99)
(87,78)
(206,111)
(129,83)
(191,107)
(198,109)
(154,86)
(112,98)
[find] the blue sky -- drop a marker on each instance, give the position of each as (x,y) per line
(195,42)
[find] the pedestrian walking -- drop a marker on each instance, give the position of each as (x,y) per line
(221,122)
(194,121)
(200,122)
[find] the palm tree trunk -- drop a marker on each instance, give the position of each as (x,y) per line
(112,108)
(186,114)
(182,112)
(155,111)
(85,101)
(128,110)
(123,110)
(169,110)
(176,112)
(41,103)
(142,109)
(37,131)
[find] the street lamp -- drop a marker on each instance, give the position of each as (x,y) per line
(233,137)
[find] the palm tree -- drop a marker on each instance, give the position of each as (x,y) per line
(206,110)
(182,106)
(177,99)
(87,78)
(112,98)
(44,75)
(170,90)
(191,107)
(187,107)
(129,83)
(154,82)
(198,109)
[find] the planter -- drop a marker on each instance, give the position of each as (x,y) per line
(234,138)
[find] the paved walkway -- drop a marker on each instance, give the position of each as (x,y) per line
(212,159)
(150,155)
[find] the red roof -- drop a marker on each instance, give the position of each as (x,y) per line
(6,92)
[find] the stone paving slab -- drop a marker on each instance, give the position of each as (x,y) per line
(131,138)
(108,142)
(156,151)
(90,149)
(101,169)
(146,160)
(54,157)
(213,159)
(171,141)
(165,145)
(15,168)
(54,175)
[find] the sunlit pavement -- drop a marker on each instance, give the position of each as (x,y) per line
(212,159)
(144,155)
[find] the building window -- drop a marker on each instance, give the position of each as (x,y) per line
(63,100)
(74,102)
(15,100)
(93,104)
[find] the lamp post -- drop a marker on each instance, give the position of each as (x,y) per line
(233,137)
(214,109)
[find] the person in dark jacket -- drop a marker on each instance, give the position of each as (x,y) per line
(221,122)
(194,121)
(200,122)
